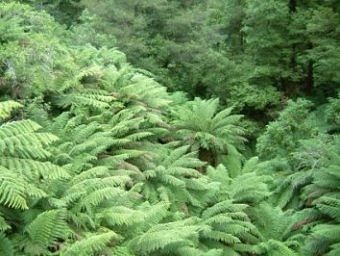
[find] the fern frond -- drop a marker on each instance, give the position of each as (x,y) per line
(95,172)
(173,234)
(329,206)
(191,251)
(322,238)
(12,189)
(155,213)
(122,251)
(34,168)
(121,215)
(223,206)
(91,244)
(96,99)
(97,197)
(47,227)
(6,107)
(12,144)
(221,236)
(335,250)
(6,246)
(13,128)
(3,225)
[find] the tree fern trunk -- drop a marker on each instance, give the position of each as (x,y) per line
(208,155)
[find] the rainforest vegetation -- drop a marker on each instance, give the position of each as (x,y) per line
(170,127)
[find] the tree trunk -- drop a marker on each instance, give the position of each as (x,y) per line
(309,78)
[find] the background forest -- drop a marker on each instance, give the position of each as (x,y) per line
(170,127)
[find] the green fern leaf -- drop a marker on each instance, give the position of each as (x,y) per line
(12,189)
(47,227)
(91,244)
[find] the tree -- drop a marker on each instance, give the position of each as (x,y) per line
(210,132)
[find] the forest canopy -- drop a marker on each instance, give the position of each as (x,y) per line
(167,127)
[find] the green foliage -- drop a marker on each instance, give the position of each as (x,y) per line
(7,107)
(90,245)
(31,53)
(172,176)
(187,46)
(210,132)
(6,247)
(281,136)
(97,158)
(24,161)
(168,237)
(309,185)
(26,175)
(251,54)
(45,230)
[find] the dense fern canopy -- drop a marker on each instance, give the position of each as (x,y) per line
(102,157)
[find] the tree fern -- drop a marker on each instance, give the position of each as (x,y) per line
(209,131)
(324,193)
(171,176)
(113,164)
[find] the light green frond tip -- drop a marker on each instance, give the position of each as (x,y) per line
(6,107)
(91,245)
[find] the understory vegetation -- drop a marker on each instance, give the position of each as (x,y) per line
(203,128)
